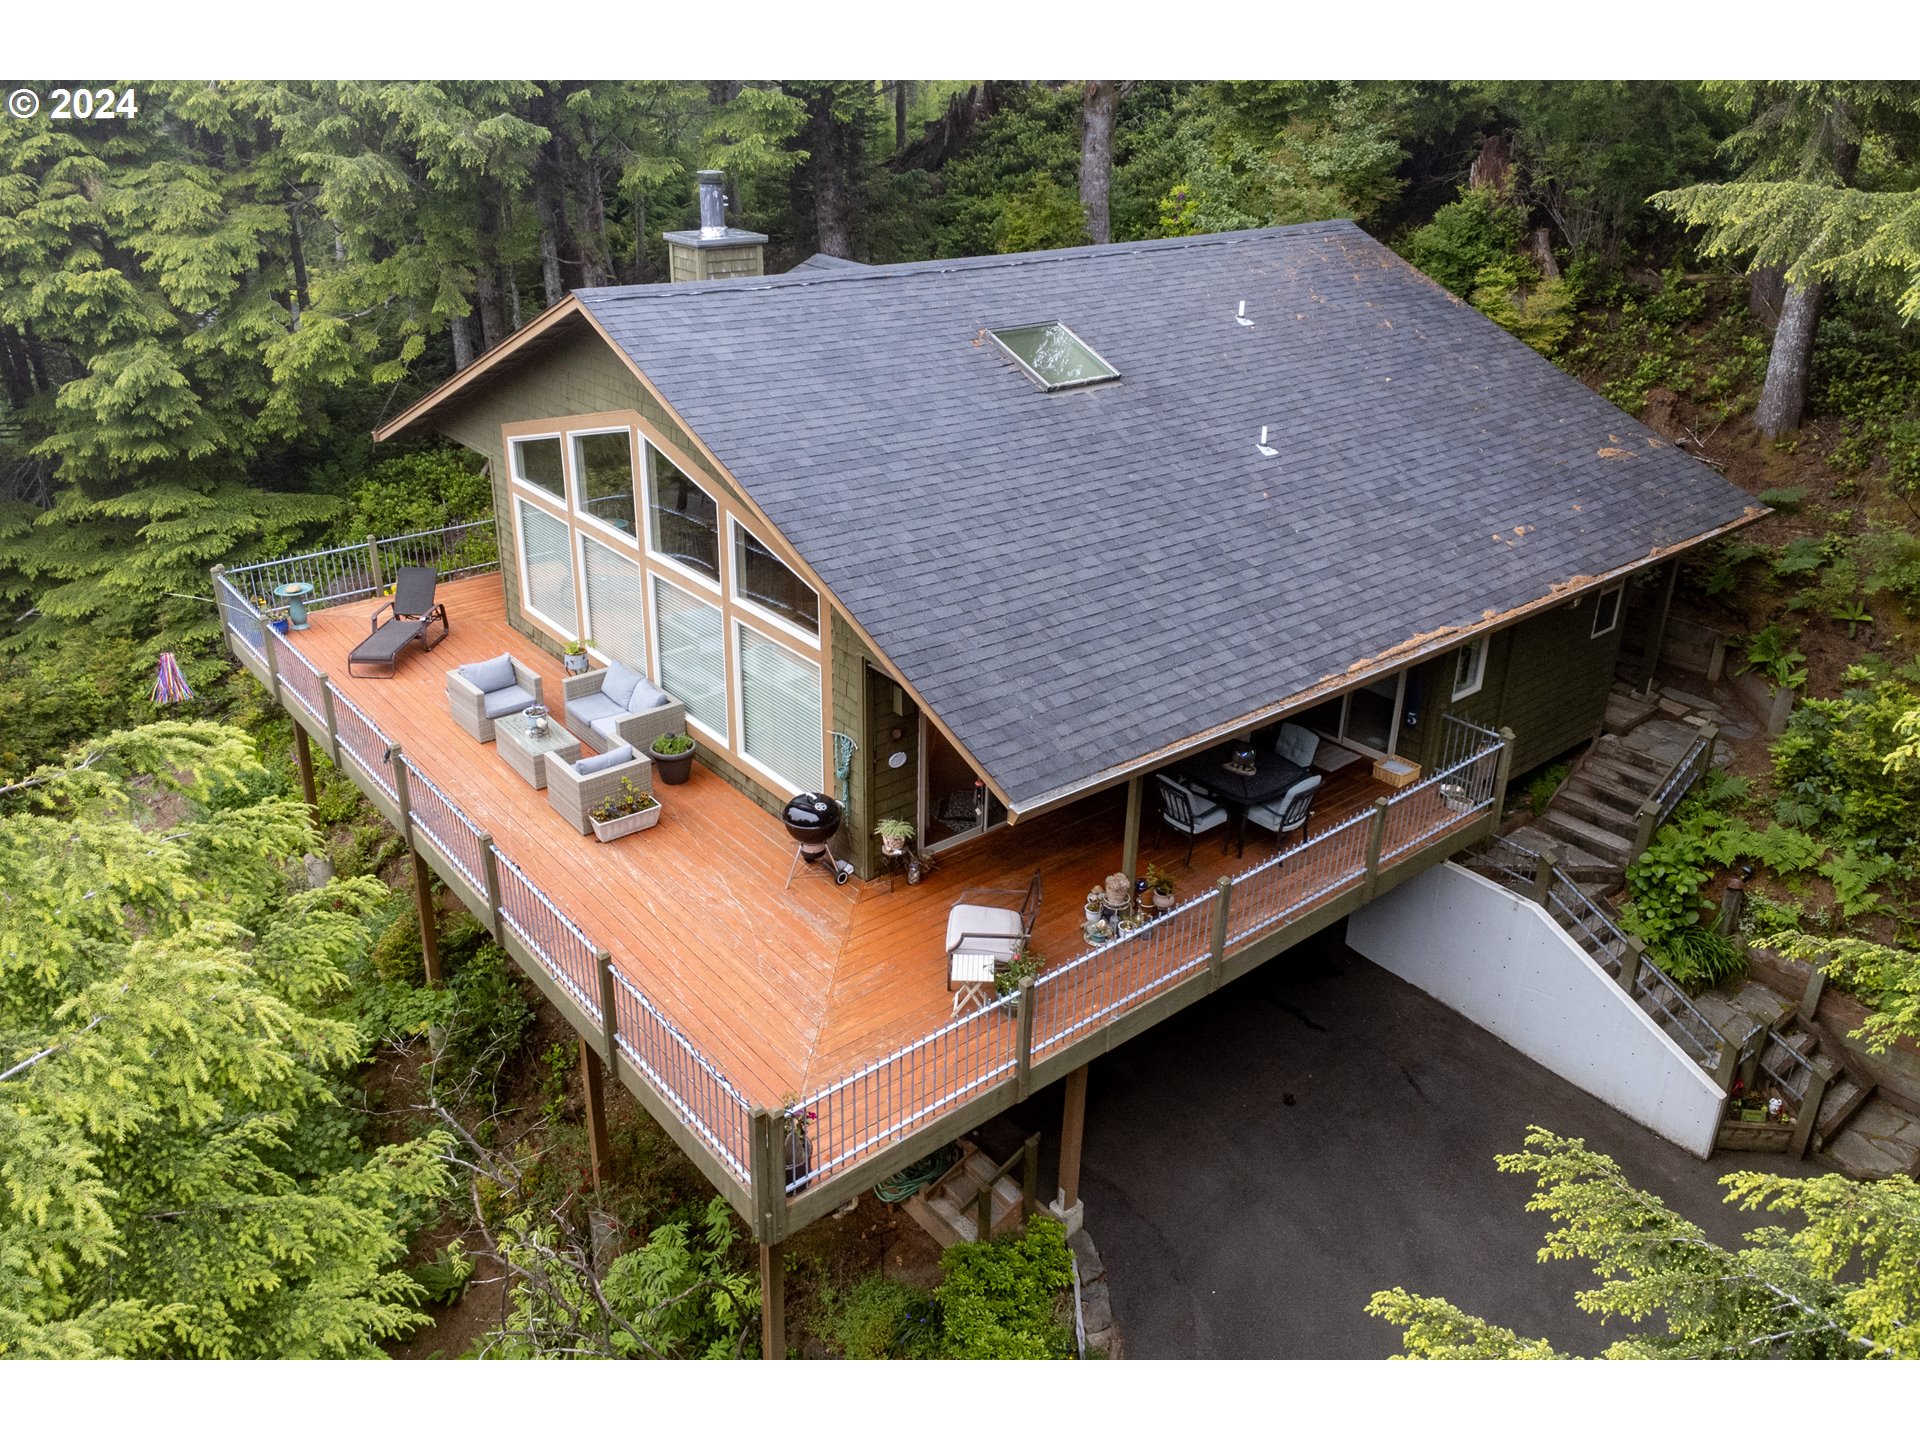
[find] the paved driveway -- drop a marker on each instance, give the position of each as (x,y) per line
(1235,1224)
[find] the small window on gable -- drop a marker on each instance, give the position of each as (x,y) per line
(1053,356)
(1469,667)
(536,462)
(1606,611)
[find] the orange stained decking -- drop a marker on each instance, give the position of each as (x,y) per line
(785,989)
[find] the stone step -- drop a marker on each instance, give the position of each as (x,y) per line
(1599,783)
(1596,811)
(1631,759)
(1589,837)
(1630,780)
(1882,1140)
(1624,711)
(1578,865)
(1842,1101)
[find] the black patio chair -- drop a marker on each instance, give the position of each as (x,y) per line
(1186,812)
(1293,812)
(409,614)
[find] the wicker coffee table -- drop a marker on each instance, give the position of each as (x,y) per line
(527,752)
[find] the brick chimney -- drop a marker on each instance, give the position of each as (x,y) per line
(716,251)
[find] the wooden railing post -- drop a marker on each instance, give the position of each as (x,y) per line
(1750,1049)
(1502,773)
(490,876)
(402,791)
(1543,862)
(327,718)
(219,605)
(1376,840)
(767,1133)
(373,564)
(1023,1058)
(1727,1062)
(1217,956)
(609,1024)
(1630,964)
(1644,821)
(1820,1075)
(273,664)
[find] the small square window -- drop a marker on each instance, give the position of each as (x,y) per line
(1606,611)
(537,463)
(1469,667)
(1053,356)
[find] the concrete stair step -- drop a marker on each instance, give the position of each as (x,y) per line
(1629,757)
(1881,1141)
(1628,779)
(1603,844)
(1840,1104)
(1578,865)
(1604,785)
(1598,811)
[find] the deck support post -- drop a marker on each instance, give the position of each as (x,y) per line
(1066,1207)
(1657,636)
(1130,843)
(422,877)
(303,759)
(773,1303)
(593,1083)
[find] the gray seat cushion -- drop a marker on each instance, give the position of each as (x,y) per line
(490,675)
(617,684)
(510,701)
(594,764)
(592,710)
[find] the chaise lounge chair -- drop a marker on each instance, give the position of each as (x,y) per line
(409,613)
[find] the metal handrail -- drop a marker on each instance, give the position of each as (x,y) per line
(340,573)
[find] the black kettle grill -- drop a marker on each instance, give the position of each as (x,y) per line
(813,820)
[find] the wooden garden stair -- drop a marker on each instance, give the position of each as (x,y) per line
(949,1208)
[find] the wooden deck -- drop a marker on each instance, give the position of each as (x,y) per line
(785,989)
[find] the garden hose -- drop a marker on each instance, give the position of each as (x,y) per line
(896,1188)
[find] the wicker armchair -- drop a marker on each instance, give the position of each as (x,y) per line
(638,729)
(577,796)
(476,709)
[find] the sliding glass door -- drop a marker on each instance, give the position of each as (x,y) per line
(955,804)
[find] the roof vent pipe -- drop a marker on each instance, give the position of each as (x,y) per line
(713,204)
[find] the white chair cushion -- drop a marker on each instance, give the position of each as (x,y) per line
(990,933)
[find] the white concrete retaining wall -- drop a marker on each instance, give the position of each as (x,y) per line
(1501,961)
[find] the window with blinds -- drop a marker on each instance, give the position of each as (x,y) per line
(615,619)
(546,566)
(693,654)
(780,719)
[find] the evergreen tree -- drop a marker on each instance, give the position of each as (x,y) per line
(177,1177)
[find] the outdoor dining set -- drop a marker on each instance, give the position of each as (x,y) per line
(1237,783)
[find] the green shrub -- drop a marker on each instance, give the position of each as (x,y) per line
(998,1297)
(445,1277)
(883,1319)
(1831,764)
(396,958)
(489,1023)
(1698,959)
(1543,785)
(1783,497)
(1472,235)
(422,491)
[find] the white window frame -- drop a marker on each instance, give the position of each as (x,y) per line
(576,501)
(734,530)
(531,487)
(520,564)
(585,605)
(654,553)
(1617,594)
(1472,686)
(659,674)
(737,714)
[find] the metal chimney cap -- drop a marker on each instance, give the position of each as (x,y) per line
(713,204)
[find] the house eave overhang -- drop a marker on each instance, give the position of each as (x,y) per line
(1363,671)
(481,370)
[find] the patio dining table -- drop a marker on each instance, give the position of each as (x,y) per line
(1273,775)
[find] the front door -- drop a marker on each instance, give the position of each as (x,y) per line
(955,804)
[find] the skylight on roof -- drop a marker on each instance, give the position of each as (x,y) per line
(1053,356)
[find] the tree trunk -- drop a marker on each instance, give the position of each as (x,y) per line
(1784,396)
(462,335)
(826,167)
(1099,103)
(1766,293)
(639,276)
(14,369)
(299,257)
(549,248)
(899,115)
(1492,168)
(486,269)
(1540,246)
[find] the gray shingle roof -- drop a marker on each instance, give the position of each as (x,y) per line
(1078,579)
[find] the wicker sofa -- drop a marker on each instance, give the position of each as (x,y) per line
(577,796)
(600,713)
(477,697)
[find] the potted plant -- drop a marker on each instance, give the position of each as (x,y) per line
(894,836)
(624,812)
(573,655)
(672,757)
(1454,795)
(799,1147)
(1024,966)
(278,619)
(1096,901)
(1160,886)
